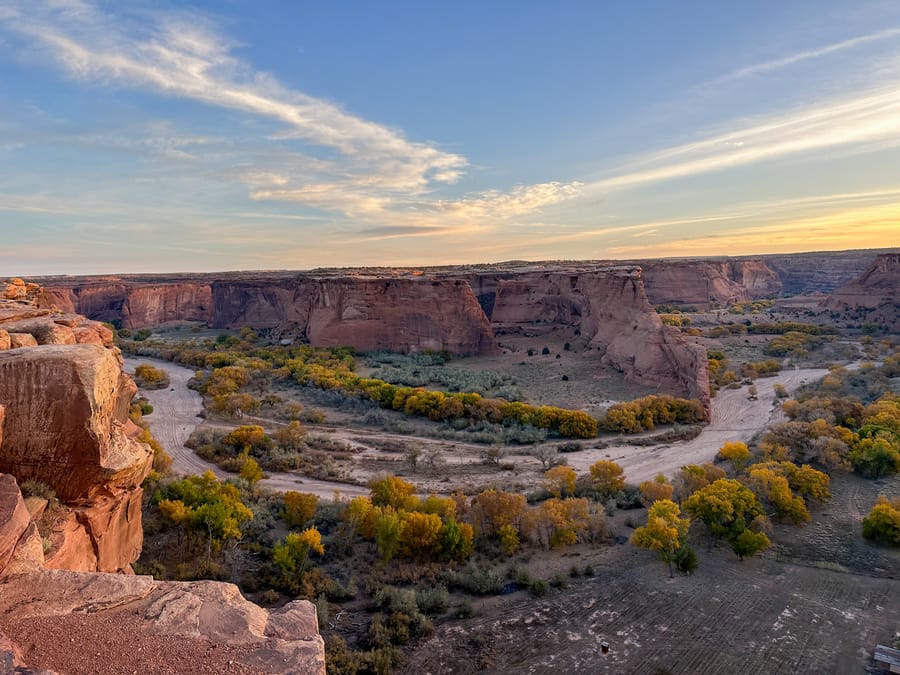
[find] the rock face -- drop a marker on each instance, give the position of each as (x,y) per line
(708,282)
(393,314)
(66,425)
(610,308)
(877,289)
(136,305)
(819,272)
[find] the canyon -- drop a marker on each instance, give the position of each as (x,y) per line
(64,426)
(874,290)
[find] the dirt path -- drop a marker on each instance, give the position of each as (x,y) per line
(176,411)
(734,418)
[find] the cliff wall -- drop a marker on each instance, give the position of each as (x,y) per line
(706,282)
(611,309)
(877,289)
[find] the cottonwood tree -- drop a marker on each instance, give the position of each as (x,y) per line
(665,531)
(607,477)
(727,508)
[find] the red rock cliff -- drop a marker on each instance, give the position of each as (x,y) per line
(135,304)
(611,309)
(389,313)
(876,290)
(707,282)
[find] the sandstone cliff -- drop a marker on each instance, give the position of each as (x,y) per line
(134,304)
(878,289)
(611,310)
(66,425)
(396,314)
(709,282)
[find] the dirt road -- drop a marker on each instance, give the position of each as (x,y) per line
(734,418)
(176,411)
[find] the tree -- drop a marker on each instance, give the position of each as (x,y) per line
(726,507)
(291,555)
(299,508)
(389,490)
(736,452)
(656,489)
(693,477)
(560,481)
(548,456)
(883,522)
(291,437)
(492,509)
(748,543)
(420,536)
(876,457)
(201,504)
(607,477)
(251,471)
(664,532)
(388,530)
(775,490)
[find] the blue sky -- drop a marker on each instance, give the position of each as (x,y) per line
(162,136)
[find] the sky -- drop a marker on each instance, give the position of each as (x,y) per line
(142,136)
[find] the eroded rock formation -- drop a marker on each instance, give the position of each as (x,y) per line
(877,290)
(611,310)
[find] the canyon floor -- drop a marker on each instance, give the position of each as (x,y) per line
(734,417)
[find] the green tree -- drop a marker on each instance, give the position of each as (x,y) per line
(292,555)
(664,532)
(203,505)
(726,507)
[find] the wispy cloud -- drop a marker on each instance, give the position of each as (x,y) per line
(800,57)
(867,121)
(351,165)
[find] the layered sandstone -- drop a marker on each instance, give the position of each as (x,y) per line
(135,305)
(66,425)
(877,290)
(398,314)
(611,310)
(709,282)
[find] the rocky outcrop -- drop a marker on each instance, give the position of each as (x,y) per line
(66,425)
(76,622)
(611,310)
(705,283)
(64,403)
(877,290)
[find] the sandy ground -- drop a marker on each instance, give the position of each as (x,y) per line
(734,418)
(175,415)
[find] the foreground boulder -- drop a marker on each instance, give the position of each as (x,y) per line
(91,623)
